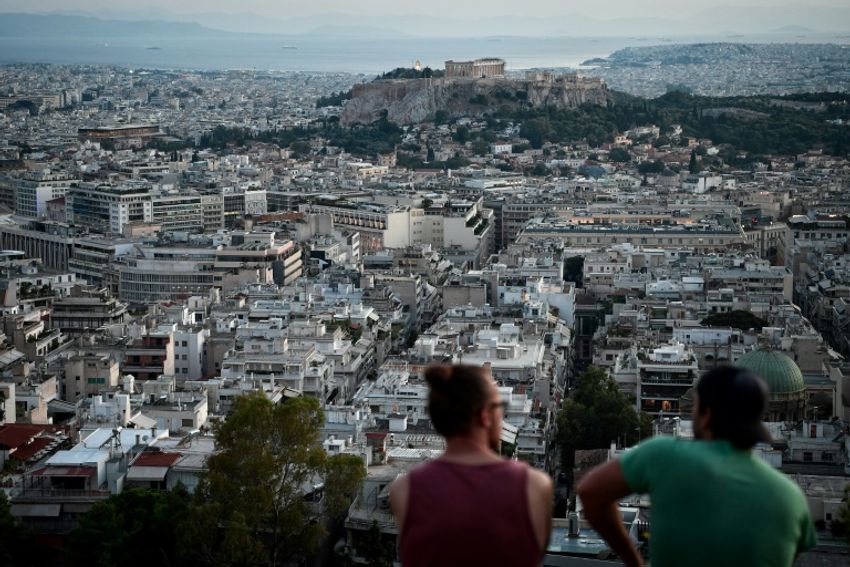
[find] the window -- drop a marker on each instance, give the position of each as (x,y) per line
(826,457)
(807,456)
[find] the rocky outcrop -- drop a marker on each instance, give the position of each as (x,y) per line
(418,100)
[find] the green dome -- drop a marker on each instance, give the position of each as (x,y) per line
(782,374)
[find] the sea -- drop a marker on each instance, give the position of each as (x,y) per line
(331,54)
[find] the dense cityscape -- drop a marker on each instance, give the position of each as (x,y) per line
(197,265)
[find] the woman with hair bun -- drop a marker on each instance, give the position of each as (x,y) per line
(470,506)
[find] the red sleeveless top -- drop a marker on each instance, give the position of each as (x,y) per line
(468,515)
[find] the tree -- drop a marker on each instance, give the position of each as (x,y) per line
(738,319)
(270,489)
(300,148)
(596,414)
(619,155)
(461,135)
(539,170)
(656,166)
(536,131)
(137,527)
(693,165)
(17,547)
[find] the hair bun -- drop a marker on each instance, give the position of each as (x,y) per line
(438,375)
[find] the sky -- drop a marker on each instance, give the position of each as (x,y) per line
(466,9)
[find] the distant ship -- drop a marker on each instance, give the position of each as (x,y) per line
(154,48)
(289,47)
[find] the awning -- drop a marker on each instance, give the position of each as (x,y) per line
(36,510)
(142,421)
(509,433)
(147,474)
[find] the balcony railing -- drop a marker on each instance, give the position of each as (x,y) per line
(649,380)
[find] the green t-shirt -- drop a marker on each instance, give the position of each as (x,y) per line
(714,505)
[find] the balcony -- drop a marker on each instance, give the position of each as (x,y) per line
(660,395)
(660,381)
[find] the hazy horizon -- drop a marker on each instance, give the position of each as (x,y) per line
(287,9)
(445,17)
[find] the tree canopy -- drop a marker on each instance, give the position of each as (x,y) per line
(738,319)
(596,414)
(17,547)
(777,129)
(270,489)
(137,527)
(620,155)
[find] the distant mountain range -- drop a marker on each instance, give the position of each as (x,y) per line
(719,20)
(36,25)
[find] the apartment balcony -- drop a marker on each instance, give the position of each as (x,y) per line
(364,512)
(661,381)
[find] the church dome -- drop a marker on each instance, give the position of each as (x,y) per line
(783,376)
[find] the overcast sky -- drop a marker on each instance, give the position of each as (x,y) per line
(601,9)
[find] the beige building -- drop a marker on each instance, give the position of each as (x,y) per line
(477,69)
(87,374)
(699,238)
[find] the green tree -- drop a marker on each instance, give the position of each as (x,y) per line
(441,117)
(17,547)
(258,501)
(656,166)
(738,319)
(596,414)
(619,155)
(537,131)
(693,164)
(137,527)
(539,170)
(461,135)
(300,148)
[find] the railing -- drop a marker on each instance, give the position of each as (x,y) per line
(365,512)
(663,382)
(649,362)
(32,492)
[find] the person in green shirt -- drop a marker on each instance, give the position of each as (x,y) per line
(712,501)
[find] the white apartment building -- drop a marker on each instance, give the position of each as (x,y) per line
(664,375)
(34,190)
(108,208)
(189,352)
(467,226)
(393,394)
(161,274)
(270,363)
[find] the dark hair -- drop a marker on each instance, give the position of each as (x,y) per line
(737,399)
(456,394)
